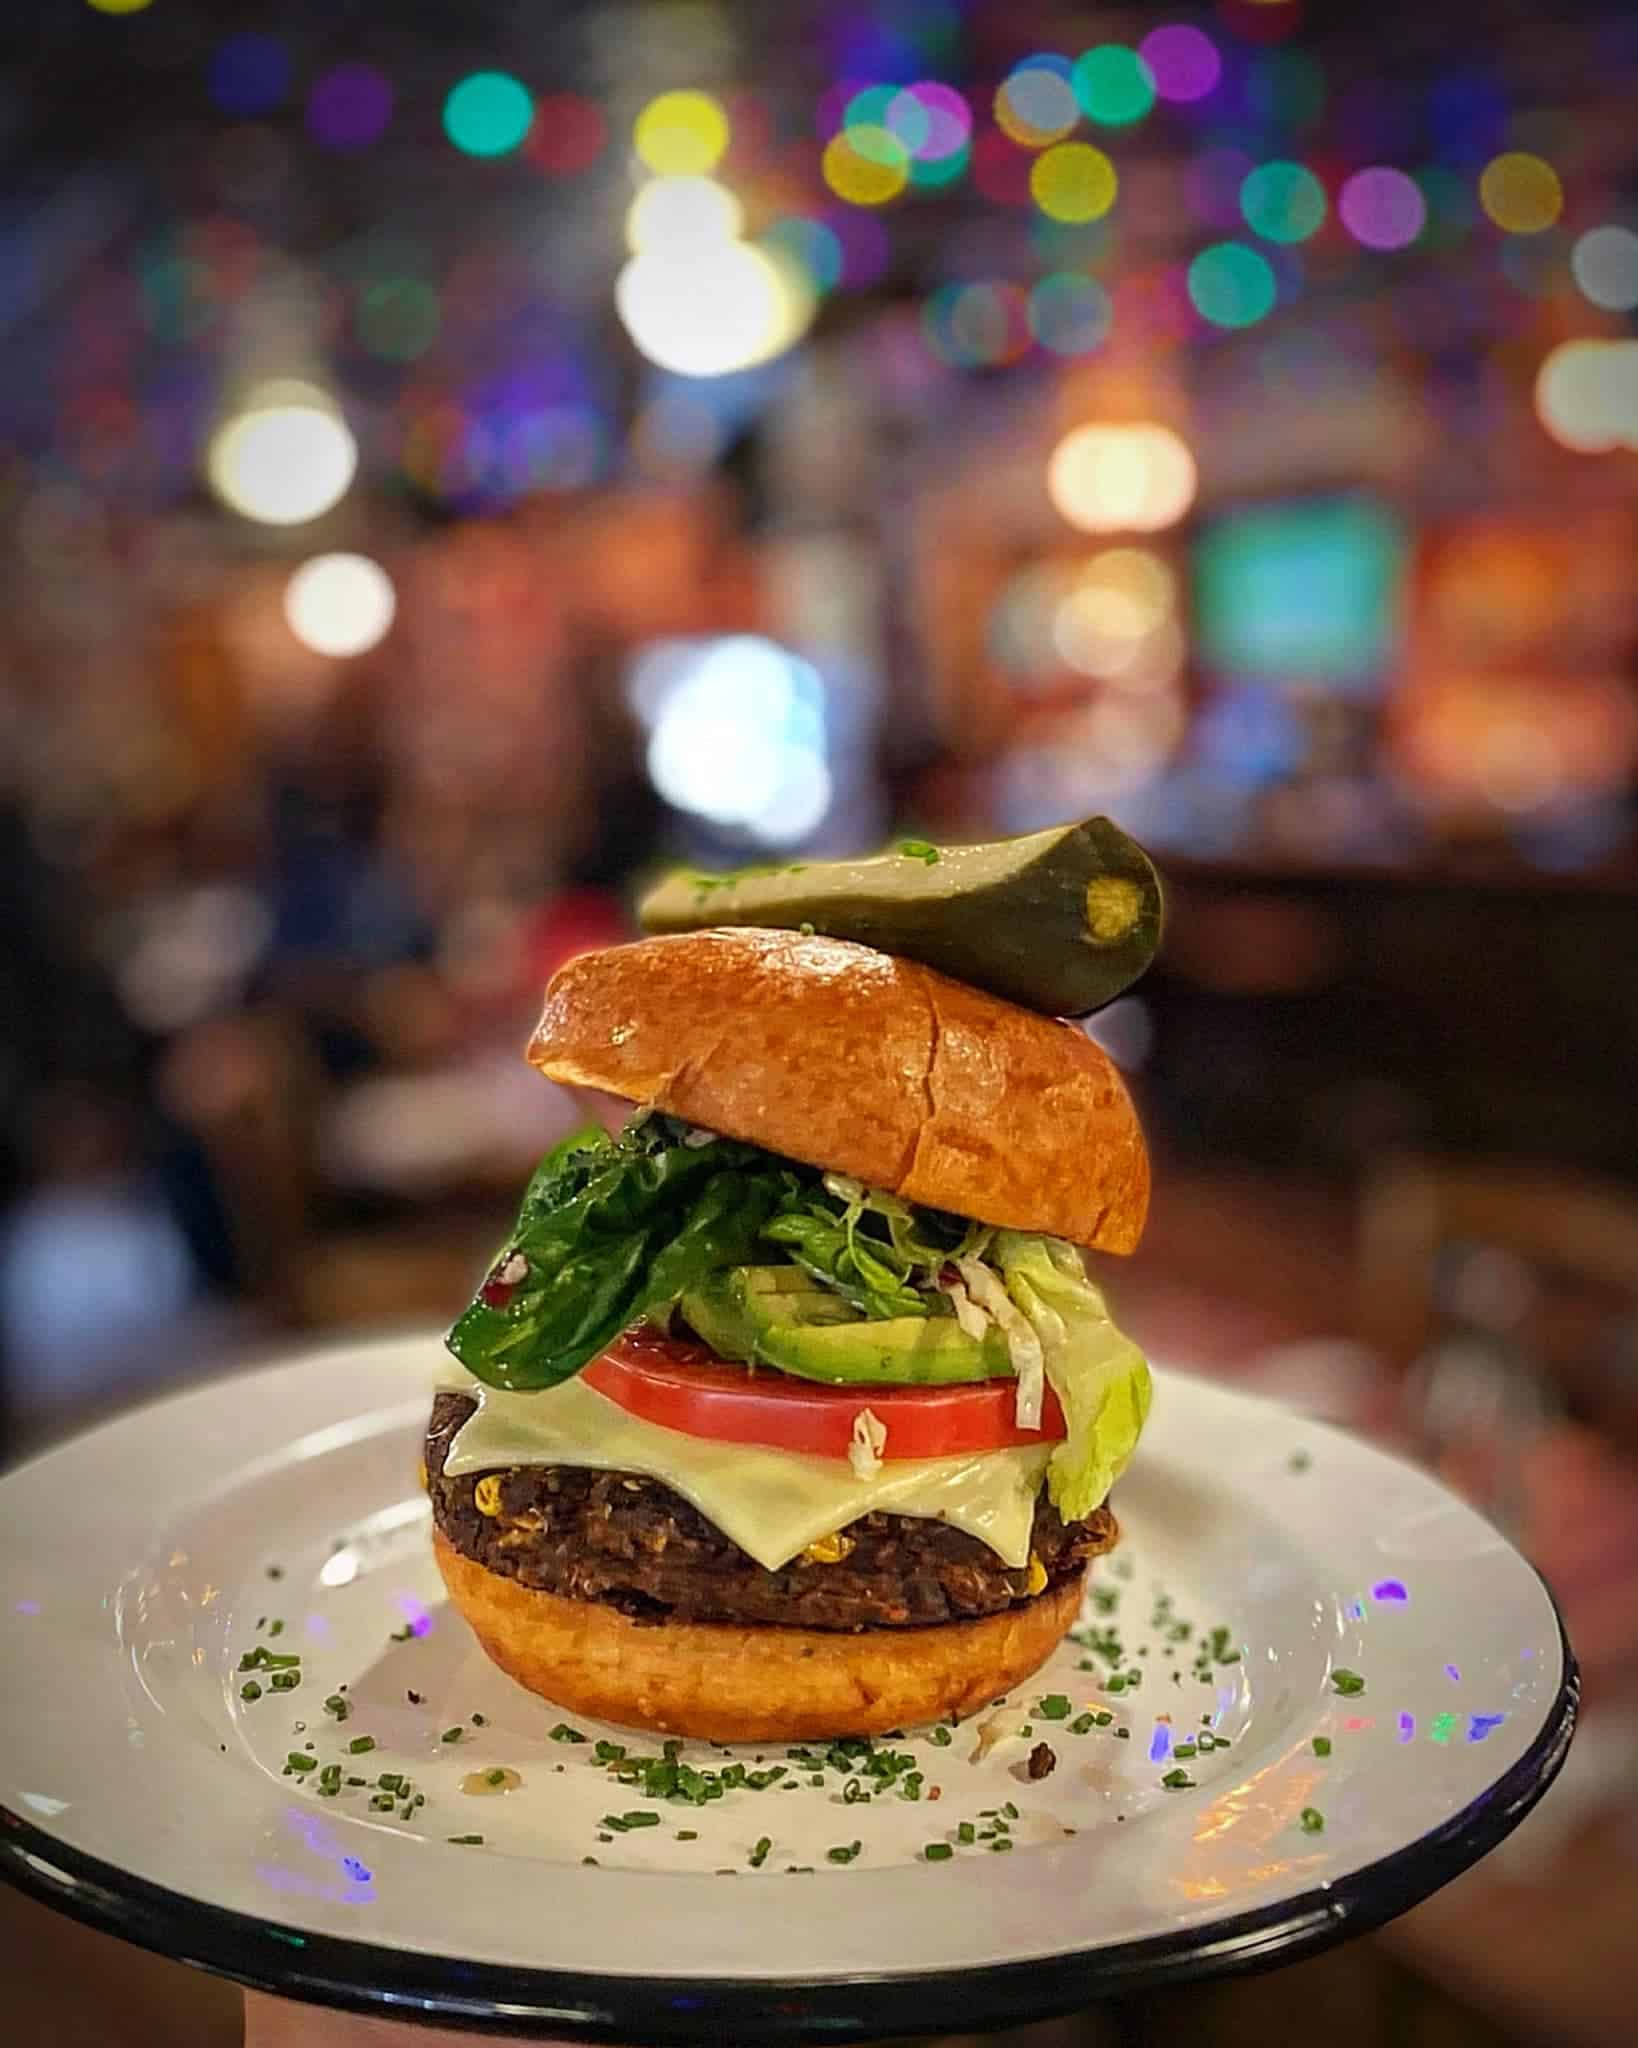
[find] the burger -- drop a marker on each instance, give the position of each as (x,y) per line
(789,1410)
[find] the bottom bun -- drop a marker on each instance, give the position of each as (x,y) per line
(726,1684)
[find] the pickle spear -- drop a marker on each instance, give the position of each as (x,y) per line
(1060,921)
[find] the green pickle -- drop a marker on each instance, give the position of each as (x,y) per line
(1060,921)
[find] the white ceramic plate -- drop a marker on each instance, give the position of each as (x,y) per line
(141,1792)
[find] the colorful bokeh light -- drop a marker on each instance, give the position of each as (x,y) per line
(681,134)
(249,75)
(1070,315)
(1605,265)
(349,107)
(1382,208)
(1283,202)
(1521,193)
(866,166)
(976,326)
(816,247)
(1035,104)
(568,134)
(397,318)
(1231,285)
(933,121)
(1113,84)
(488,114)
(1182,61)
(1073,181)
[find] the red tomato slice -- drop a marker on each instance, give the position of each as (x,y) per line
(688,1388)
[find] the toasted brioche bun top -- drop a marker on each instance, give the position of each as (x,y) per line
(853,1061)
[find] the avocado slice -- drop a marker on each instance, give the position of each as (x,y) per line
(1060,921)
(756,1313)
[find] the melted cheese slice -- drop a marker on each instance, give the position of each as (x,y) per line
(772,1503)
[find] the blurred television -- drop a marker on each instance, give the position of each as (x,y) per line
(1301,593)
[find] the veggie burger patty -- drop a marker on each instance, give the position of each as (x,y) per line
(633,1544)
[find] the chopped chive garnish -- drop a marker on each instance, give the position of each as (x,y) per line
(285,1681)
(402,1635)
(452,1735)
(382,1802)
(1348,1683)
(1083,1724)
(843,1853)
(759,1855)
(391,1781)
(1177,1781)
(336,1705)
(1009,1809)
(250,1690)
(564,1733)
(1055,1707)
(360,1744)
(476,1842)
(1313,1821)
(275,1628)
(1002,1842)
(688,1834)
(298,1760)
(939,1737)
(938,1852)
(494,1777)
(1184,1751)
(480,1720)
(1322,1745)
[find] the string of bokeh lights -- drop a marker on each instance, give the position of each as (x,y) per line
(702,296)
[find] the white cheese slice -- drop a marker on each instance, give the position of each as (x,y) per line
(772,1503)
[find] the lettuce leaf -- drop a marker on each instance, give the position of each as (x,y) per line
(1099,1375)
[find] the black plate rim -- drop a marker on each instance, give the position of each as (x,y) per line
(486,1998)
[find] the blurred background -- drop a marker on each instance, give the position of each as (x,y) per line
(458,458)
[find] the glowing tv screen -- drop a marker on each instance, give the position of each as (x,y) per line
(1302,592)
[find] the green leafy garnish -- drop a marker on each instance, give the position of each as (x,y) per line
(1348,1683)
(920,849)
(1312,1820)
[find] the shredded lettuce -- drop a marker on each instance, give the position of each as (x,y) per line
(1099,1375)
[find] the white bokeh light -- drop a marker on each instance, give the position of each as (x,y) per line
(1587,395)
(340,604)
(737,735)
(1108,479)
(705,308)
(286,456)
(674,212)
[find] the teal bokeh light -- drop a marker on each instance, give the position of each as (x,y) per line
(1231,285)
(488,114)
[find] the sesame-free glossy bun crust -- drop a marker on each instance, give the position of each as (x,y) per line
(848,1059)
(718,1683)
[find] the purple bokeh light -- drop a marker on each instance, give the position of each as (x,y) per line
(1183,61)
(1383,208)
(349,107)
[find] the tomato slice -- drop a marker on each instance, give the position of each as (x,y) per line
(687,1387)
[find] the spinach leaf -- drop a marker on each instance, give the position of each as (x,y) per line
(611,1230)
